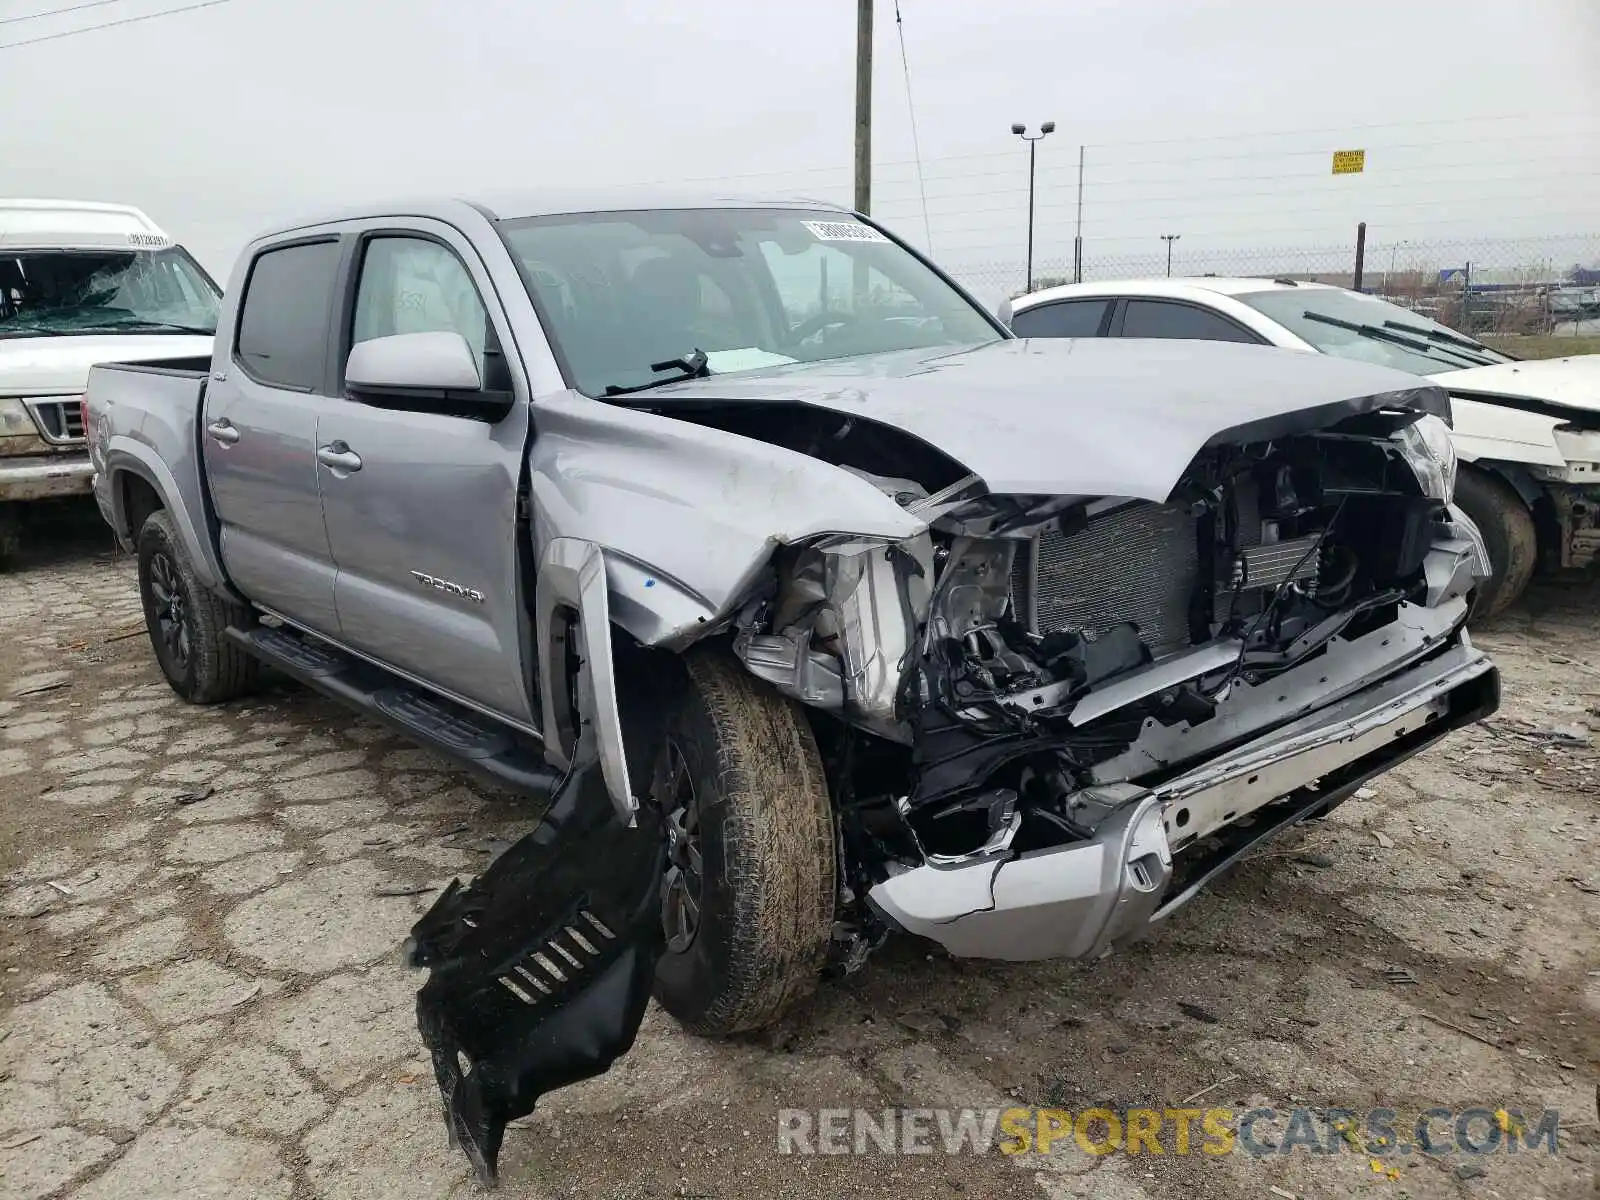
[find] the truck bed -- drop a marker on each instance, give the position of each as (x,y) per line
(144,418)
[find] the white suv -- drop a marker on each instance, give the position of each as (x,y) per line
(81,283)
(1526,432)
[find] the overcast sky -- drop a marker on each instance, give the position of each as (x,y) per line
(1212,119)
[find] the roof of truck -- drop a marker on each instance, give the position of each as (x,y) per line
(512,205)
(76,225)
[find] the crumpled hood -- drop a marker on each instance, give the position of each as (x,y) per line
(1573,382)
(48,365)
(1099,416)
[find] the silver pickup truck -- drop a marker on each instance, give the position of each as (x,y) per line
(819,606)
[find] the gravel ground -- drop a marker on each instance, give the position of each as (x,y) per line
(203,999)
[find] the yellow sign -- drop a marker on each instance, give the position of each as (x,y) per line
(1349,162)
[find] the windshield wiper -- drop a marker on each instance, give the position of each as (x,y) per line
(1376,332)
(693,365)
(1440,335)
(138,324)
(31,331)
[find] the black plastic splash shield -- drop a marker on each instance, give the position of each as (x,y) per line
(540,968)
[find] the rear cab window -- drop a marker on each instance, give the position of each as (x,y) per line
(282,338)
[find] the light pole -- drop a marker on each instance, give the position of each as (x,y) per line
(1169,238)
(1046,128)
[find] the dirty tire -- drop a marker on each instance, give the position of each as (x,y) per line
(215,669)
(766,837)
(1508,532)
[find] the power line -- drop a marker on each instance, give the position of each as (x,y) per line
(1216,137)
(1120,200)
(911,109)
(56,12)
(1250,231)
(1296,177)
(1420,249)
(888,164)
(166,12)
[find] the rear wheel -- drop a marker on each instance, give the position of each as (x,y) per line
(1508,533)
(186,621)
(748,895)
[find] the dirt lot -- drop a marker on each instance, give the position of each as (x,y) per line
(202,999)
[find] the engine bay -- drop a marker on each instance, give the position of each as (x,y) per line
(1013,658)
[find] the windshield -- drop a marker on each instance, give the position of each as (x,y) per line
(1353,325)
(46,293)
(624,291)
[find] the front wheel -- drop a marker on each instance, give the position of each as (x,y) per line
(748,895)
(186,621)
(1508,534)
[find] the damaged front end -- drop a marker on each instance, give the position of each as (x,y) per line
(1057,715)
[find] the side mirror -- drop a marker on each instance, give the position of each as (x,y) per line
(428,372)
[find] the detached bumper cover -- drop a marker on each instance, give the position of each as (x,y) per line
(1075,901)
(38,478)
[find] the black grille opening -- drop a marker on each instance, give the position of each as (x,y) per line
(59,420)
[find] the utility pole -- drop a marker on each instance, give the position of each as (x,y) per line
(1077,238)
(864,106)
(1169,238)
(863,201)
(1045,129)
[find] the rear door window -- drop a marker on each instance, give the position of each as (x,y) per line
(1167,319)
(1063,319)
(282,339)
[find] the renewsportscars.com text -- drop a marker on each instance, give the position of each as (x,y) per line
(1378,1132)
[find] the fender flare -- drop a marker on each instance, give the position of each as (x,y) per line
(572,579)
(125,456)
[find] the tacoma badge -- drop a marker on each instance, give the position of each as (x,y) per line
(444,585)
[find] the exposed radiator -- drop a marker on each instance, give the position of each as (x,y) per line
(1139,563)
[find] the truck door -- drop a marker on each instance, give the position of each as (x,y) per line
(421,506)
(259,433)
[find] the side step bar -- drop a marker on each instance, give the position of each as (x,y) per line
(495,752)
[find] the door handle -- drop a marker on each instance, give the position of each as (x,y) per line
(223,431)
(339,457)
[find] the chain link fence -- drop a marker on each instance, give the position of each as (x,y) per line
(1544,285)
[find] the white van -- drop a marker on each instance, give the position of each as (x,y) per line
(81,283)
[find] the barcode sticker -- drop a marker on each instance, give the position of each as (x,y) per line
(843,231)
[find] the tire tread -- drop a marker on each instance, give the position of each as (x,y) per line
(1509,533)
(221,669)
(778,828)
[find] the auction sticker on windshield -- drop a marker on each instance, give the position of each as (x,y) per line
(843,231)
